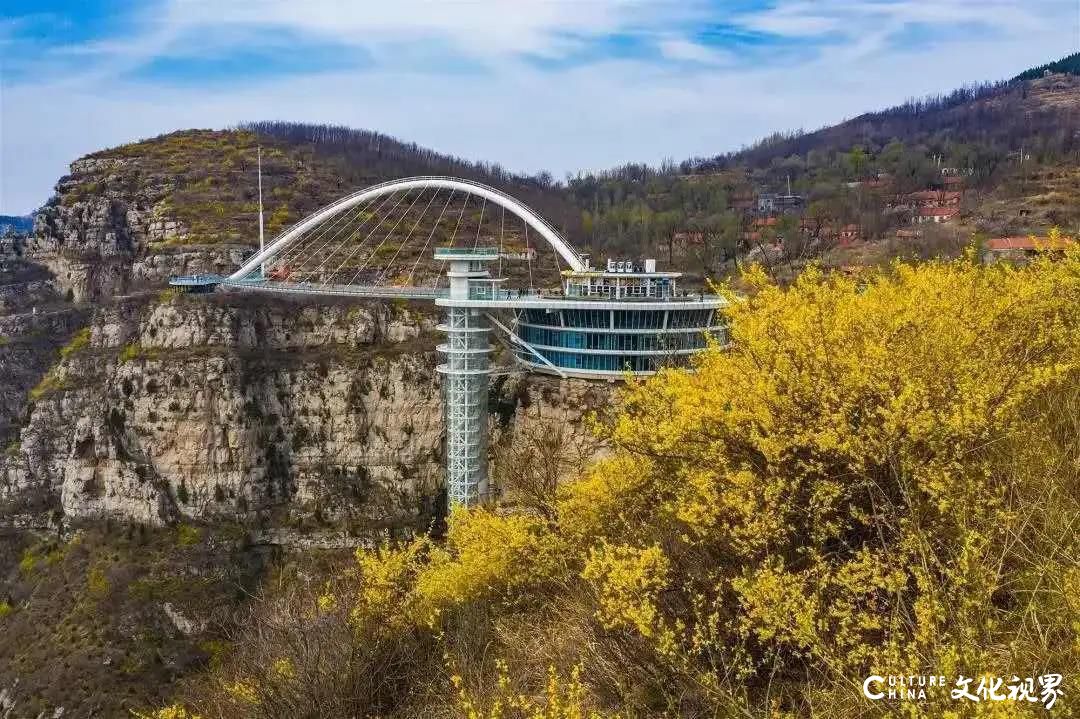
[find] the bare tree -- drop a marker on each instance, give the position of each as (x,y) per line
(532,462)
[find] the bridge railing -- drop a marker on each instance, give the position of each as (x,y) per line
(465,251)
(304,288)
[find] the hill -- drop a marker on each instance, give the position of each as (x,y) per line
(16,223)
(1005,156)
(1039,112)
(209,180)
(1069,65)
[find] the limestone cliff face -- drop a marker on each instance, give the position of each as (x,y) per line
(191,407)
(225,405)
(109,231)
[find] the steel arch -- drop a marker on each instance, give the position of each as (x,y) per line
(498,197)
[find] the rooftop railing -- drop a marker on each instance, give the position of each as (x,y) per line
(465,251)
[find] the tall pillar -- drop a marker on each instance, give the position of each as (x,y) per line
(465,383)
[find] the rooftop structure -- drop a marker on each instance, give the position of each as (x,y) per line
(771,202)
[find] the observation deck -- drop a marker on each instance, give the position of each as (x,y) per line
(626,318)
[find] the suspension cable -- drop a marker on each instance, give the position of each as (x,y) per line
(294,248)
(325,231)
(528,257)
(431,234)
(502,231)
(393,229)
(453,237)
(402,245)
(480,224)
(367,237)
(349,235)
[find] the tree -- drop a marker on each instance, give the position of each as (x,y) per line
(720,235)
(530,465)
(857,160)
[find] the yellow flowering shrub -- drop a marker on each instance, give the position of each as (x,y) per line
(486,554)
(563,698)
(627,582)
(173,711)
(387,578)
(242,691)
(283,669)
(842,482)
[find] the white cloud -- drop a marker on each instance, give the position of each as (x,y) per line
(682,50)
(585,117)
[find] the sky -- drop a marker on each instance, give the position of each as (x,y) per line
(561,85)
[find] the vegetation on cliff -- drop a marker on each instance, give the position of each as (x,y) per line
(209,182)
(881,476)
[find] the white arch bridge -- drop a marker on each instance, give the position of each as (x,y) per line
(491,262)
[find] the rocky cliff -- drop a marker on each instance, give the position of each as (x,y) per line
(135,402)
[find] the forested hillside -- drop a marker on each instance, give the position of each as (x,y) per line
(1069,65)
(1003,155)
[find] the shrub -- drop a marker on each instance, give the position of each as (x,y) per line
(79,341)
(187,535)
(169,294)
(131,352)
(49,384)
(97,584)
(28,561)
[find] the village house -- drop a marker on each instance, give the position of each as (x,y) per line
(1022,249)
(742,200)
(684,238)
(769,202)
(848,234)
(934,214)
(933,198)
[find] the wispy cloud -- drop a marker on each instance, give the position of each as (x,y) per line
(532,83)
(681,49)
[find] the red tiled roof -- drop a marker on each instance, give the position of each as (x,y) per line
(935,196)
(938,211)
(1027,243)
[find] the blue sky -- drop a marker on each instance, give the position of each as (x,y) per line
(563,85)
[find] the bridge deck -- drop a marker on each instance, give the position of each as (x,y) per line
(408,293)
(487,299)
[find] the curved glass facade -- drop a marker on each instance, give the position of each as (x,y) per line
(616,341)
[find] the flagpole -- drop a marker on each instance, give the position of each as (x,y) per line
(262,242)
